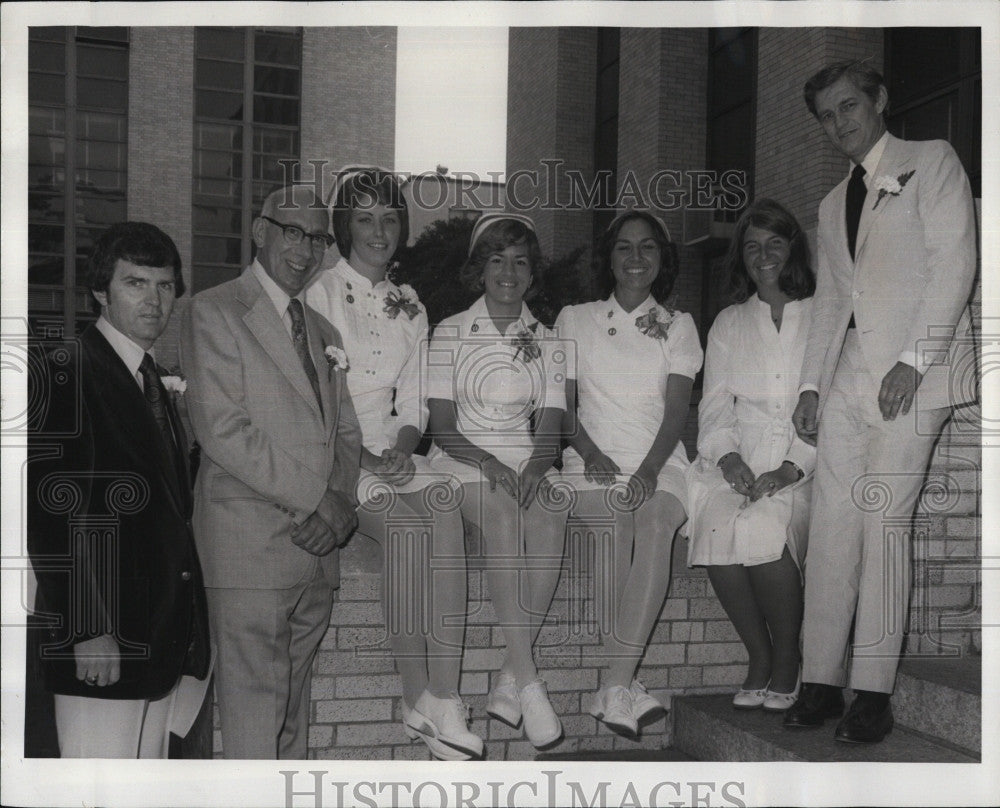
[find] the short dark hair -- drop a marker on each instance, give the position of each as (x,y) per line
(497,237)
(368,183)
(664,283)
(140,243)
(867,79)
(797,279)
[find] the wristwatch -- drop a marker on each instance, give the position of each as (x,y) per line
(795,466)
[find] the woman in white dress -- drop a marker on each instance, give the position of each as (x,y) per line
(496,403)
(402,504)
(627,398)
(750,486)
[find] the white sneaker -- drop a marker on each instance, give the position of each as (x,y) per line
(503,701)
(613,706)
(411,733)
(447,722)
(541,724)
(642,703)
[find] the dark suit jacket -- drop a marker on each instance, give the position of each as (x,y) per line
(109,526)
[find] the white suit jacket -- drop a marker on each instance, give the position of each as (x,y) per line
(268,454)
(910,282)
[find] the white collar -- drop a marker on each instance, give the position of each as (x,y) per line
(642,308)
(344,269)
(128,351)
(481,317)
(874,156)
(278,295)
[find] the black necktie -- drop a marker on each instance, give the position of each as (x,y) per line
(156,397)
(856,192)
(301,343)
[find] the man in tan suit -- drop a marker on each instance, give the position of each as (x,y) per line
(280,447)
(897,257)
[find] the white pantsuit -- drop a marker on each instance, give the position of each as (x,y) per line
(907,289)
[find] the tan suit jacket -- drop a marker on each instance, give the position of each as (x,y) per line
(268,453)
(911,279)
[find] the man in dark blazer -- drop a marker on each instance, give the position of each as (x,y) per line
(125,651)
(280,453)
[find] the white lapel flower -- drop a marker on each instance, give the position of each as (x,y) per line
(336,359)
(890,186)
(176,385)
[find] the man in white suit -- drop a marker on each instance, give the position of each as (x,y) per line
(280,447)
(897,258)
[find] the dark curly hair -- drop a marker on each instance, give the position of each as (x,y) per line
(139,243)
(367,184)
(664,282)
(497,237)
(797,279)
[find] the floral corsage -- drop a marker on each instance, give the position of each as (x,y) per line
(890,186)
(656,322)
(336,359)
(525,345)
(175,384)
(405,300)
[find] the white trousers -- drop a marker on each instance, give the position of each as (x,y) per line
(869,473)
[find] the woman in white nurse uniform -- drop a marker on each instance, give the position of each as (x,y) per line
(496,399)
(750,486)
(384,328)
(627,398)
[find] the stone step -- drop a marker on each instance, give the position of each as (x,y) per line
(709,729)
(941,697)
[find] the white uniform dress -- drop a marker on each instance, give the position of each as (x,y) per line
(621,381)
(383,353)
(496,386)
(750,392)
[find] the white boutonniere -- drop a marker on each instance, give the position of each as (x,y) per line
(656,322)
(525,345)
(405,300)
(174,384)
(336,359)
(890,186)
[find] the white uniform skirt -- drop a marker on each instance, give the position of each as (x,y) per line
(726,528)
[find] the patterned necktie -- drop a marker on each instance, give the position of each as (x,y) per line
(156,396)
(301,343)
(856,193)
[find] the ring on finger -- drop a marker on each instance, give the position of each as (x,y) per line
(91,680)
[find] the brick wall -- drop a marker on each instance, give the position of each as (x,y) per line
(662,125)
(161,145)
(551,86)
(348,96)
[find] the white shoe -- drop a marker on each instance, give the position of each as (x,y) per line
(642,703)
(411,733)
(613,706)
(779,702)
(503,701)
(446,722)
(749,699)
(541,724)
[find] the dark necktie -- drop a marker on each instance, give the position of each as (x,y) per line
(856,193)
(301,343)
(156,397)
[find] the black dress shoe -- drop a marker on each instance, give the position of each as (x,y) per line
(815,704)
(868,721)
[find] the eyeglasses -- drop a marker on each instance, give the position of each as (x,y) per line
(294,235)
